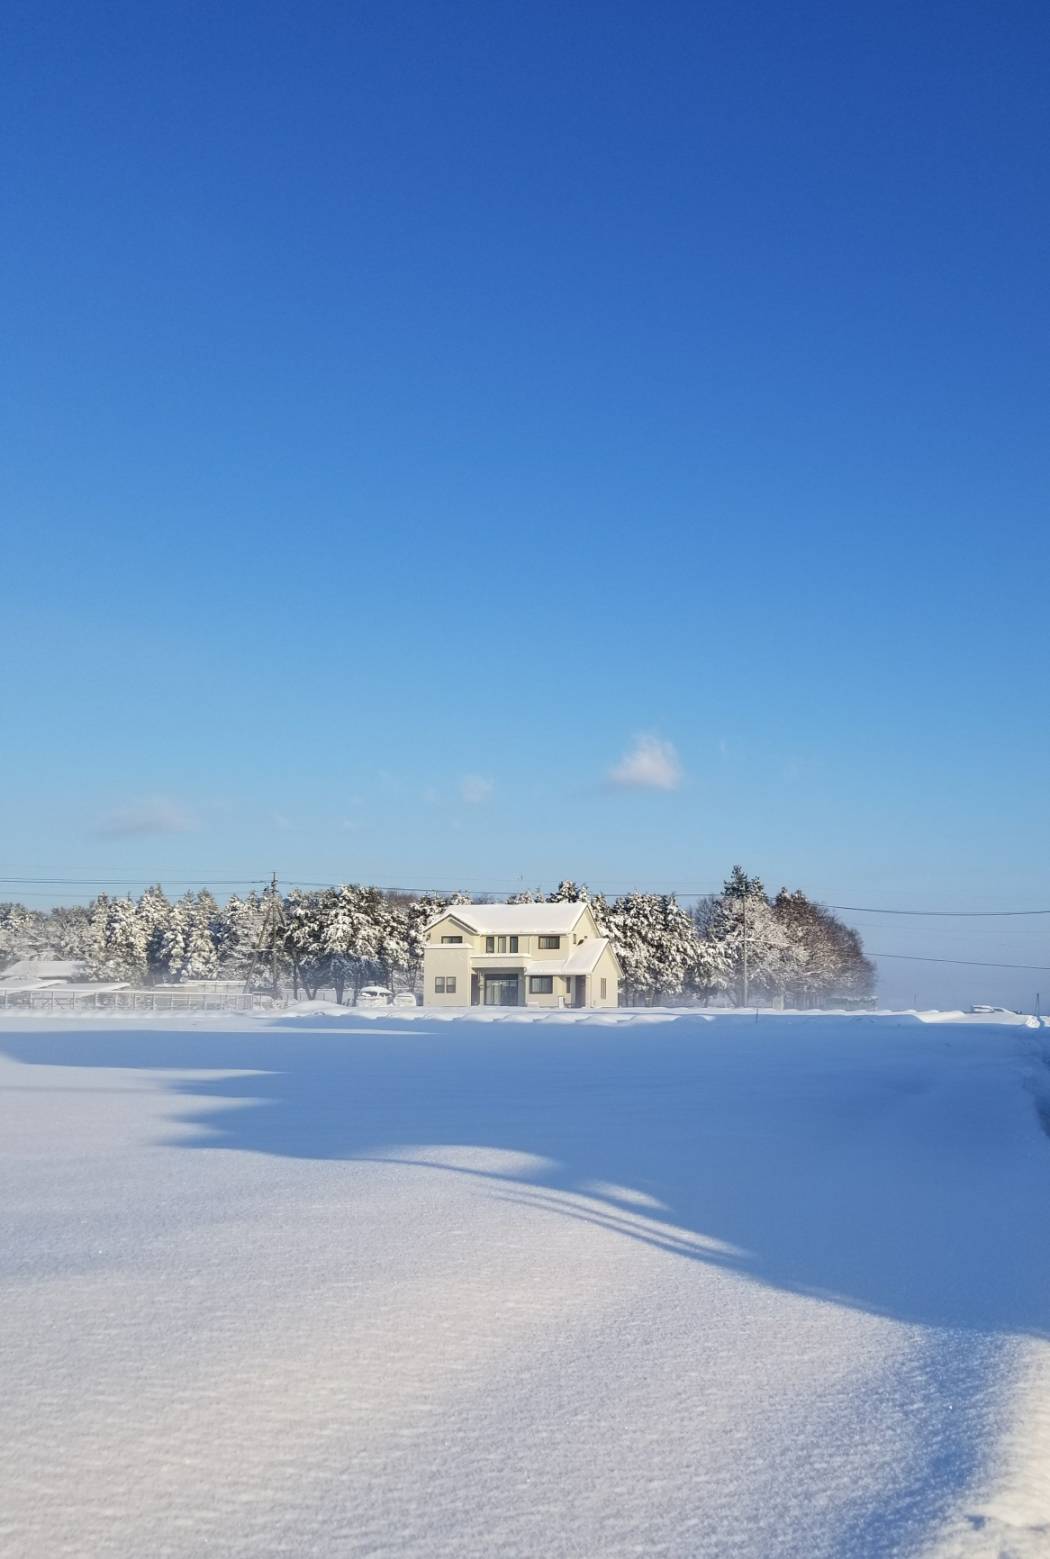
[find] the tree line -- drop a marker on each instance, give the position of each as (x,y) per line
(739,945)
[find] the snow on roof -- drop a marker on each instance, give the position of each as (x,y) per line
(526,919)
(582,959)
(62,987)
(43,969)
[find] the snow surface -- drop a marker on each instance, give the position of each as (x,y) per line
(377,1284)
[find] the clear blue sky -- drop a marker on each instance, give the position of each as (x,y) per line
(408,406)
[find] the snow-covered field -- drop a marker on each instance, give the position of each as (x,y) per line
(337,1285)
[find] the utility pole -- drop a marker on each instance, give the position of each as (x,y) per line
(745,991)
(274,913)
(269,941)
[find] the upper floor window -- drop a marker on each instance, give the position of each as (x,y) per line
(451,939)
(549,942)
(501,944)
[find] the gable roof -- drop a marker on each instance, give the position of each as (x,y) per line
(523,919)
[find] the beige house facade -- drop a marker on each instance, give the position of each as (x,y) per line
(519,955)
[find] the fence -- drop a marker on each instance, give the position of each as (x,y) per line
(58,1000)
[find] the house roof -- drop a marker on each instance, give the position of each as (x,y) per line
(520,919)
(582,959)
(44,969)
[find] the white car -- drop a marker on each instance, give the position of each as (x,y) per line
(373,996)
(405,999)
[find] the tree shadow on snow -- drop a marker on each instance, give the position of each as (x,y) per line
(890,1170)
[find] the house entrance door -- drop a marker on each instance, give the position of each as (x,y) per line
(501,990)
(580,999)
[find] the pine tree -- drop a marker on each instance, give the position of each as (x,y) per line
(23,933)
(117,944)
(199,959)
(171,945)
(742,914)
(237,931)
(154,912)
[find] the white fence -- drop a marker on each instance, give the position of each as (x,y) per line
(58,1000)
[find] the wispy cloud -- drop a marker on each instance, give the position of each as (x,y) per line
(474,789)
(650,764)
(153,815)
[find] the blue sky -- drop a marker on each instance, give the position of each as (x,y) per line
(410,407)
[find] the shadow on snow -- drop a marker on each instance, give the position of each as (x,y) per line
(891,1171)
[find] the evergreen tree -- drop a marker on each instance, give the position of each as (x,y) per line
(743,915)
(237,931)
(23,933)
(154,912)
(117,944)
(199,957)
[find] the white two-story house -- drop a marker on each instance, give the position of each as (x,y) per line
(519,955)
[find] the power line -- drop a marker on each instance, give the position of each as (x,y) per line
(947,914)
(133,882)
(966,963)
(681,893)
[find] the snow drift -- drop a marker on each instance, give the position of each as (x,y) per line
(340,1285)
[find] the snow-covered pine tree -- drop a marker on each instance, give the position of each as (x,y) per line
(742,909)
(154,912)
(569,892)
(23,933)
(633,923)
(237,932)
(117,945)
(199,959)
(66,930)
(351,936)
(395,941)
(304,937)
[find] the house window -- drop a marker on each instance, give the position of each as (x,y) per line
(450,985)
(439,985)
(548,943)
(541,984)
(490,944)
(451,939)
(501,944)
(604,988)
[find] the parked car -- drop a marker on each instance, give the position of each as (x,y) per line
(405,999)
(374,996)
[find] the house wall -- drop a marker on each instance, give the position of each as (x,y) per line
(450,927)
(605,969)
(445,961)
(561,996)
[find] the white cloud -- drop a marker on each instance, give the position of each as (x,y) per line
(474,788)
(154,815)
(650,764)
